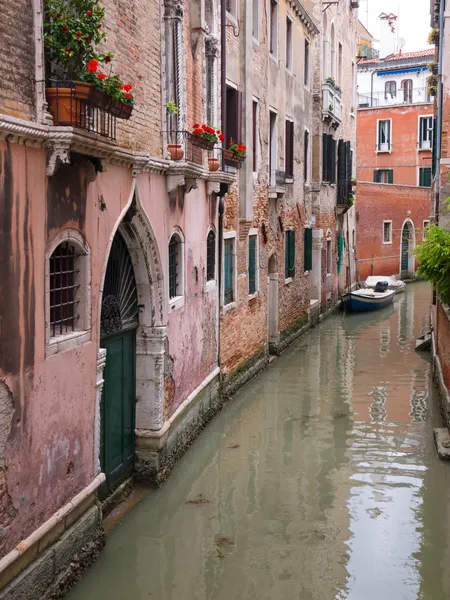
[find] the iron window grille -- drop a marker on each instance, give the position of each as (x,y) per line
(63,290)
(174,252)
(211,256)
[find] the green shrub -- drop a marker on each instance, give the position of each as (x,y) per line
(434,260)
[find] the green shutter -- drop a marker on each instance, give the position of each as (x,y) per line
(420,177)
(434,149)
(308,250)
(252,264)
(425,177)
(324,157)
(375,176)
(390,176)
(289,270)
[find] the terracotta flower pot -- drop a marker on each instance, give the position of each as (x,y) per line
(83,90)
(64,106)
(213,164)
(176,151)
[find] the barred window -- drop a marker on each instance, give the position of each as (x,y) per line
(175,266)
(64,290)
(211,256)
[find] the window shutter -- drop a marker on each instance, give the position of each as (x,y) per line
(421,173)
(375,176)
(252,264)
(286,255)
(324,156)
(289,149)
(388,126)
(333,160)
(390,175)
(433,162)
(308,250)
(292,254)
(239,118)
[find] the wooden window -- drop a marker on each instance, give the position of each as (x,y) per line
(328,158)
(384,136)
(272,146)
(233,124)
(306,64)
(255,135)
(425,133)
(390,90)
(175,267)
(407,90)
(273,27)
(63,290)
(229,270)
(289,149)
(307,252)
(306,157)
(289,257)
(425,177)
(252,264)
(329,257)
(383,176)
(289,43)
(211,256)
(387,232)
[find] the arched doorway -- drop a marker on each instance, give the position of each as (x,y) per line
(273,300)
(119,321)
(406,254)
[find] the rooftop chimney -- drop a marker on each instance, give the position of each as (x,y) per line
(388,34)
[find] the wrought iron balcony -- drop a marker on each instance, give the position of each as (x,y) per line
(415,95)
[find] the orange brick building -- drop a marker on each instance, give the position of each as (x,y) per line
(395,139)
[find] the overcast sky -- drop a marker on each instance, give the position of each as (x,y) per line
(413,20)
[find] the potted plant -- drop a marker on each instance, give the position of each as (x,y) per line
(433,67)
(235,153)
(432,90)
(213,163)
(206,137)
(331,81)
(72,30)
(330,108)
(175,150)
(433,36)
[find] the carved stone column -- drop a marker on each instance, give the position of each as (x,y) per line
(101,361)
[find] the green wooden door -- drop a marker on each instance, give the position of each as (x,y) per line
(119,321)
(118,408)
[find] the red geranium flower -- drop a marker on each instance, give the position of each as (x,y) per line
(92,66)
(204,127)
(89,13)
(128,96)
(65,28)
(107,59)
(127,87)
(78,34)
(99,26)
(101,76)
(58,16)
(89,39)
(198,131)
(221,137)
(68,50)
(196,126)
(218,132)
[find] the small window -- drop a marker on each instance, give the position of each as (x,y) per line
(64,290)
(390,90)
(289,259)
(289,149)
(306,64)
(340,63)
(211,256)
(231,6)
(255,135)
(425,225)
(384,136)
(306,157)
(387,232)
(425,133)
(252,264)
(307,254)
(255,19)
(407,90)
(383,176)
(329,258)
(273,151)
(274,27)
(289,43)
(229,271)
(233,116)
(175,266)
(328,158)
(425,176)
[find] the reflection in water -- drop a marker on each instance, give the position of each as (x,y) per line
(319,482)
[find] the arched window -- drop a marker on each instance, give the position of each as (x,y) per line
(326,44)
(332,69)
(407,88)
(211,256)
(175,266)
(390,89)
(67,290)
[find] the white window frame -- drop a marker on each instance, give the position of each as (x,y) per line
(386,147)
(233,13)
(177,301)
(212,283)
(420,141)
(74,339)
(388,243)
(426,222)
(255,233)
(228,235)
(289,45)
(274,27)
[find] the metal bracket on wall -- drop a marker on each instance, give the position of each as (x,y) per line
(235,28)
(328,4)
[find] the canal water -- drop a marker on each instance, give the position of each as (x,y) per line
(318,481)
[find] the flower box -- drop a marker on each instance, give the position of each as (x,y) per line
(233,159)
(201,142)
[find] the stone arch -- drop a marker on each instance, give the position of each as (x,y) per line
(272,264)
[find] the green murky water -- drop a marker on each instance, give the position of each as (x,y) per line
(319,480)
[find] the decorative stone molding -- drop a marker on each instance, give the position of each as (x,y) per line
(304,16)
(175,181)
(101,361)
(173,9)
(212,45)
(212,187)
(58,154)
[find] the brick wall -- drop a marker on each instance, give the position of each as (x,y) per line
(17,67)
(405,159)
(376,203)
(442,342)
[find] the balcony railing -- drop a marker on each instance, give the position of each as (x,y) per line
(331,103)
(417,95)
(72,107)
